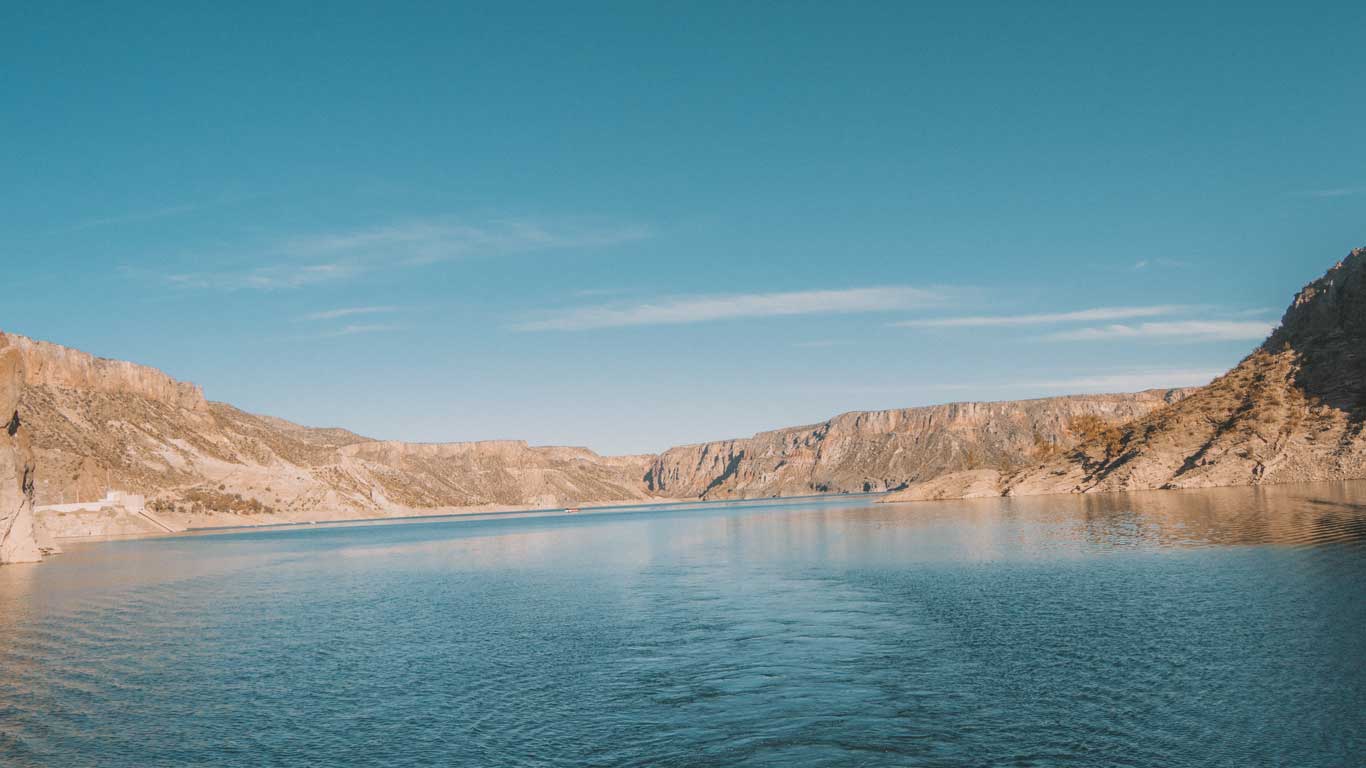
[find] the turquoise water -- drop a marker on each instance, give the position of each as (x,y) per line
(1219,628)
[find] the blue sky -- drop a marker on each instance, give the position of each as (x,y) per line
(616,226)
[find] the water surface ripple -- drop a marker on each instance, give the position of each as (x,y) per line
(1210,628)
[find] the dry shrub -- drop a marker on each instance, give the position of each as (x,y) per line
(1093,430)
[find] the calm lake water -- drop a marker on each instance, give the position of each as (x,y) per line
(1220,628)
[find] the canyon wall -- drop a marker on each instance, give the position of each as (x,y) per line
(99,425)
(17,544)
(217,465)
(52,365)
(1292,411)
(886,450)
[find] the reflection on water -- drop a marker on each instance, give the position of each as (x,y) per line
(1218,627)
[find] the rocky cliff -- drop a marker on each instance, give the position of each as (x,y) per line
(1292,411)
(17,543)
(55,366)
(98,425)
(213,464)
(885,450)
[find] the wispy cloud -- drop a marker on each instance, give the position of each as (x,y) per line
(432,240)
(267,278)
(1052,318)
(1178,331)
(1257,312)
(700,309)
(299,261)
(1334,192)
(1130,381)
(336,314)
(1145,264)
(352,330)
(822,344)
(134,217)
(1105,381)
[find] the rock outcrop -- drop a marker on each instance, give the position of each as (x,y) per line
(1292,411)
(217,465)
(17,544)
(52,365)
(884,450)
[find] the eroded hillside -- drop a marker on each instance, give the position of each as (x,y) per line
(885,450)
(1292,411)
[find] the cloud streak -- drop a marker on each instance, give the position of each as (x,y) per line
(822,344)
(1052,318)
(1130,381)
(138,216)
(1178,331)
(701,309)
(1105,381)
(1334,192)
(353,330)
(433,240)
(301,261)
(267,278)
(337,314)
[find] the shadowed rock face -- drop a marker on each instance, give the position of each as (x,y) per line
(17,544)
(1325,328)
(1292,411)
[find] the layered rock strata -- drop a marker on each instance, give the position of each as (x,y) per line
(884,450)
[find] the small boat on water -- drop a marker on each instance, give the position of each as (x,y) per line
(571,510)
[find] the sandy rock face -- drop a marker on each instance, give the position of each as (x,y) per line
(885,450)
(17,544)
(52,365)
(99,425)
(969,484)
(1292,411)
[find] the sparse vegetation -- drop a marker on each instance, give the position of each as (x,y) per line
(1043,448)
(972,458)
(204,501)
(1093,430)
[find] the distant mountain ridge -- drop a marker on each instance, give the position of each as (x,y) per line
(98,425)
(1292,411)
(874,451)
